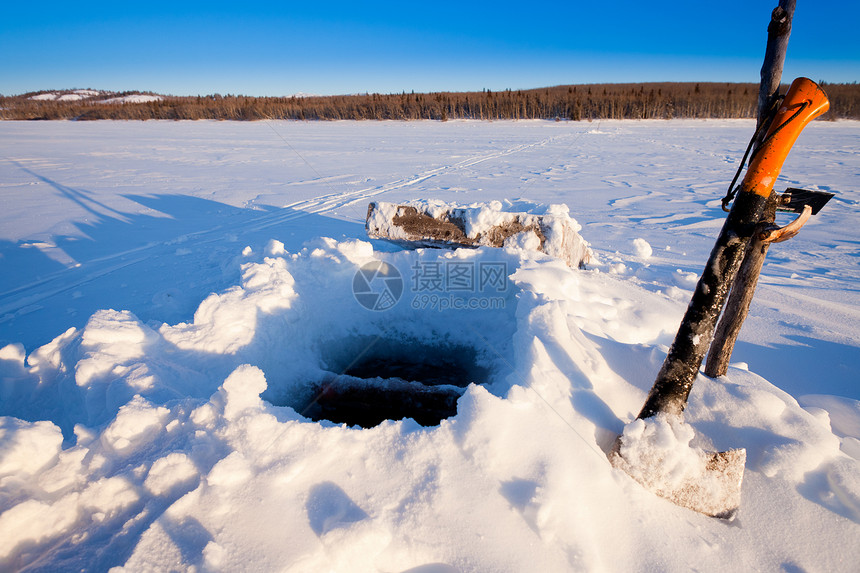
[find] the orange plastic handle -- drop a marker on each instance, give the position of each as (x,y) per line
(811,101)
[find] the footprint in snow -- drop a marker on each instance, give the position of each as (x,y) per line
(329,507)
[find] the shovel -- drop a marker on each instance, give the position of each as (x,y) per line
(713,483)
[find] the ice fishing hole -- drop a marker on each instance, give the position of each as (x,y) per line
(373,379)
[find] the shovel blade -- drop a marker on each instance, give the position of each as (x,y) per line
(715,491)
(726,472)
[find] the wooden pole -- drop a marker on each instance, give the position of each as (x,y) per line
(778,32)
(743,289)
(738,303)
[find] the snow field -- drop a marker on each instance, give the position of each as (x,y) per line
(138,442)
(517,480)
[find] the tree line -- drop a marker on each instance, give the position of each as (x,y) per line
(570,102)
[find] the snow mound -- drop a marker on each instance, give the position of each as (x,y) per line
(548,229)
(642,248)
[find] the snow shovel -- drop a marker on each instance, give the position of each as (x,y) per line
(715,487)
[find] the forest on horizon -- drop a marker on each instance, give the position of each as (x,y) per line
(665,100)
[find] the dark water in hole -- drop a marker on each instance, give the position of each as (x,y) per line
(423,385)
(368,406)
(429,374)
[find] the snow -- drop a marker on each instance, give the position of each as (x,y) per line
(74,95)
(642,249)
(44,97)
(657,453)
(78,95)
(481,221)
(133,98)
(174,293)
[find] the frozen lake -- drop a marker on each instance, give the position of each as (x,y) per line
(177,300)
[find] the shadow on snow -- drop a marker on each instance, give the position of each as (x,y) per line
(159,264)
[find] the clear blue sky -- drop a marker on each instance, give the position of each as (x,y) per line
(282,48)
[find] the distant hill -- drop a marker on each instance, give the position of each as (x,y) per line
(568,102)
(91,96)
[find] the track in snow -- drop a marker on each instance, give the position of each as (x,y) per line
(52,292)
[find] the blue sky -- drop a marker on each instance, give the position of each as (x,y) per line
(282,48)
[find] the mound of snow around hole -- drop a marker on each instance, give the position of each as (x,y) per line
(161,447)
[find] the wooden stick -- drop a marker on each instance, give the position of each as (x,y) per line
(778,32)
(738,303)
(743,288)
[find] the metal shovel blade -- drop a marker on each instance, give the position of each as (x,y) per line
(715,492)
(793,200)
